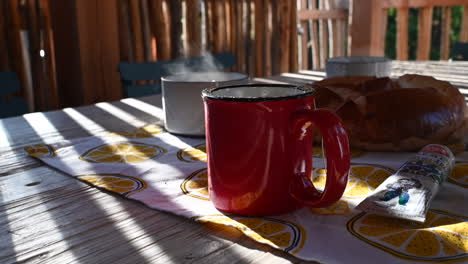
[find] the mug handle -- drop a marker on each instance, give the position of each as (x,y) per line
(337,153)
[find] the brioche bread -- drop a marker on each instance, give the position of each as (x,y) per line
(381,114)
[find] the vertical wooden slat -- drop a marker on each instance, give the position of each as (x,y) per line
(293,63)
(50,56)
(219,33)
(445,34)
(314,38)
(424,33)
(240,44)
(250,40)
(137,34)
(402,33)
(124,32)
(232,9)
(39,85)
(176,28)
(340,37)
(208,24)
(227,22)
(161,27)
(259,38)
(146,30)
(285,40)
(267,10)
(323,33)
(193,28)
(304,46)
(333,28)
(464,27)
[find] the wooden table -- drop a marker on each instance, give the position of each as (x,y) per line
(48,217)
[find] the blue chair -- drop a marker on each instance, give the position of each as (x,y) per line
(11,105)
(460,51)
(130,73)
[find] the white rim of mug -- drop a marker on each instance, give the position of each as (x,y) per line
(308,91)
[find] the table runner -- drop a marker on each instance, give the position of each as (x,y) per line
(168,173)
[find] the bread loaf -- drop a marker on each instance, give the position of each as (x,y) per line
(381,114)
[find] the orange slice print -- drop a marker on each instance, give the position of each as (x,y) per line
(196,185)
(193,154)
(459,174)
(443,237)
(123,152)
(40,151)
(318,152)
(363,179)
(117,183)
(142,132)
(277,233)
(339,208)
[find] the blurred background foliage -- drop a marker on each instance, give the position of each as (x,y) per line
(390,41)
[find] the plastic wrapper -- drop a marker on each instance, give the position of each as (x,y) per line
(407,194)
(404,114)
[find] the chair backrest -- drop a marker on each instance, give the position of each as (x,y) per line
(460,51)
(132,73)
(10,105)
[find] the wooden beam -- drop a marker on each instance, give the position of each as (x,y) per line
(366,33)
(445,34)
(402,33)
(322,14)
(88,74)
(420,3)
(424,33)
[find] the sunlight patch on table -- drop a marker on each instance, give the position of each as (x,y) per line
(302,76)
(85,123)
(120,114)
(43,127)
(145,107)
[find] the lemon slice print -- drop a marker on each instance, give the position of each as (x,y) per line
(363,179)
(40,151)
(117,183)
(142,132)
(443,237)
(339,208)
(319,153)
(193,154)
(459,174)
(196,185)
(277,233)
(123,152)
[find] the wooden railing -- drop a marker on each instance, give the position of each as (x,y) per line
(26,47)
(323,32)
(368,26)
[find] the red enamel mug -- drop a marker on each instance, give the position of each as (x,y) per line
(259,146)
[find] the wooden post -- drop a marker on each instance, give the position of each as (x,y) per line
(87,50)
(285,35)
(314,38)
(137,34)
(304,46)
(445,35)
(424,33)
(240,44)
(367,36)
(402,33)
(176,28)
(323,32)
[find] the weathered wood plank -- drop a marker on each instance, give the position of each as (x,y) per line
(137,34)
(424,33)
(259,38)
(293,59)
(322,14)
